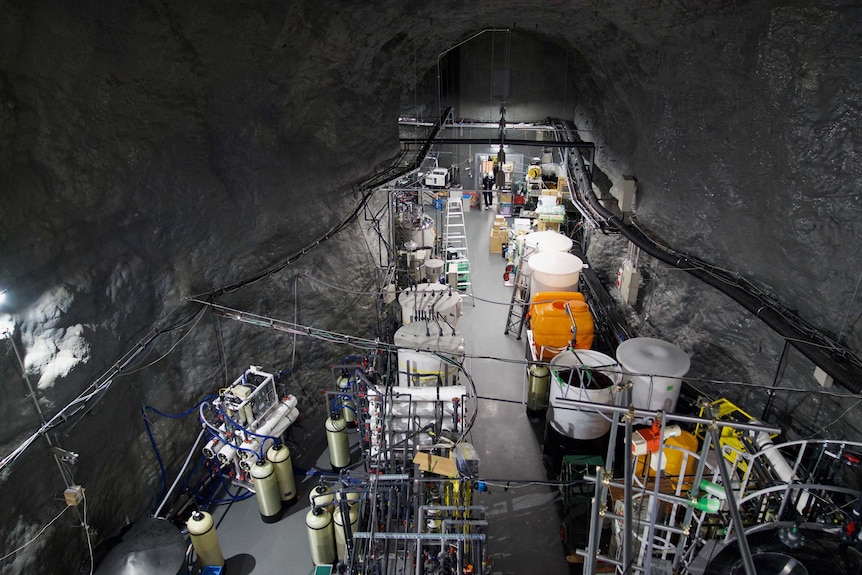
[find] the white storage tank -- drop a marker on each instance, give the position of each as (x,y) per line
(548,241)
(569,380)
(418,363)
(656,369)
(416,227)
(426,301)
(554,272)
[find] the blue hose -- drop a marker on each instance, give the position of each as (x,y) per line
(336,398)
(260,454)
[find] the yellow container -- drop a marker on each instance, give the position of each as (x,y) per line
(672,458)
(552,326)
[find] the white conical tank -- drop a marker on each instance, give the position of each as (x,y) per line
(554,272)
(655,368)
(426,301)
(547,241)
(582,375)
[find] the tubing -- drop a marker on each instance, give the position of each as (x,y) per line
(847,374)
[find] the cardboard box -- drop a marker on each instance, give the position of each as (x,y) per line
(497,240)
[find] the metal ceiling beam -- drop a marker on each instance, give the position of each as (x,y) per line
(496,143)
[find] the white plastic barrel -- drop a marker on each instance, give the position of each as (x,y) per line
(657,368)
(566,418)
(429,300)
(554,271)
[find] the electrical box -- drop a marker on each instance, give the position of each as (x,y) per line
(824,379)
(467,459)
(73,495)
(629,283)
(626,195)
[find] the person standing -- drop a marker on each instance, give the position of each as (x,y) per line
(487,194)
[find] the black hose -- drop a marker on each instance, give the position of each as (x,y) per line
(842,370)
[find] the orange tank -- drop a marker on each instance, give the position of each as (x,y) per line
(552,325)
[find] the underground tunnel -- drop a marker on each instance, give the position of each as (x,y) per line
(189,190)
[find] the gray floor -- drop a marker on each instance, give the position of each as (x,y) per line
(524,519)
(524,522)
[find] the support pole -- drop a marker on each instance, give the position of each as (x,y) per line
(735,517)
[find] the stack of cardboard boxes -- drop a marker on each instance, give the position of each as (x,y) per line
(499,235)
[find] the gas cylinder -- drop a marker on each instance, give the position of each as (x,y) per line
(321,496)
(318,522)
(538,390)
(205,539)
(336,439)
(348,406)
(279,456)
(340,535)
(266,491)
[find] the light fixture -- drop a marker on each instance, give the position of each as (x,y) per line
(3,295)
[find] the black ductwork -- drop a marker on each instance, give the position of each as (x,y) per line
(836,360)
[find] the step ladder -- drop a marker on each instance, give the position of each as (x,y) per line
(520,297)
(455,248)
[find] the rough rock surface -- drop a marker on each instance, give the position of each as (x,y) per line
(150,151)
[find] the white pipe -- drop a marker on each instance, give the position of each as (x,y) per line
(180,474)
(781,467)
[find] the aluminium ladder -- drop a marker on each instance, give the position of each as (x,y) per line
(520,295)
(520,300)
(455,248)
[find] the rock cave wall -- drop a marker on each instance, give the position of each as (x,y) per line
(151,151)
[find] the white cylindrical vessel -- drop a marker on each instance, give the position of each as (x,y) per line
(656,369)
(554,272)
(592,383)
(318,523)
(266,491)
(427,301)
(205,539)
(336,439)
(340,535)
(433,270)
(547,241)
(417,228)
(279,456)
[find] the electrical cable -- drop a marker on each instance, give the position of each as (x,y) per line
(35,537)
(136,369)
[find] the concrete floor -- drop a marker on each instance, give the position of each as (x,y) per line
(524,518)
